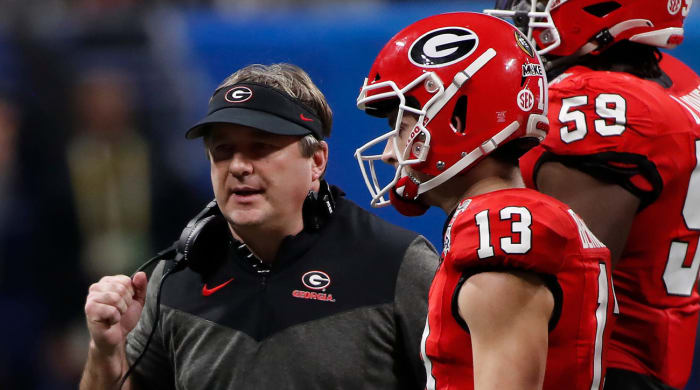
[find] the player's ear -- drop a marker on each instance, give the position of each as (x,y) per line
(319,160)
(458,122)
(457,125)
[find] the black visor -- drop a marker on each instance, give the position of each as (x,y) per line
(260,107)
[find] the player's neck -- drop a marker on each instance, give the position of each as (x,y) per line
(488,176)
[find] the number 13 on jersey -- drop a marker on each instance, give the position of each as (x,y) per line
(520,226)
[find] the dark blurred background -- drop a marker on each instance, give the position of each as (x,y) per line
(95,173)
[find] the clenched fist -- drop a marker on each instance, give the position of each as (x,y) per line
(113,308)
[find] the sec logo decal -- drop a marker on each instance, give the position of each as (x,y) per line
(526,100)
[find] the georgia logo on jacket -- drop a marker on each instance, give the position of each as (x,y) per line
(318,281)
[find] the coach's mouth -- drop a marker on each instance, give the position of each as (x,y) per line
(246,193)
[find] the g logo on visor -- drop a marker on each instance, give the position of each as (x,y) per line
(443,47)
(316,280)
(238,94)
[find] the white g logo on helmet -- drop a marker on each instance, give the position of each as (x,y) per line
(443,47)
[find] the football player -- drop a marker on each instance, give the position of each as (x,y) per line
(524,285)
(624,151)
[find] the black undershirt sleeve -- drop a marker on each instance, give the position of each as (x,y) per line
(633,172)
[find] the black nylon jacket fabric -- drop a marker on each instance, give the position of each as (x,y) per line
(341,308)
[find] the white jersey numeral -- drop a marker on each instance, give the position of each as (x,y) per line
(542,95)
(601,316)
(568,134)
(611,109)
(430,383)
(485,249)
(679,279)
(521,227)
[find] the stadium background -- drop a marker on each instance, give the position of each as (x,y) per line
(95,174)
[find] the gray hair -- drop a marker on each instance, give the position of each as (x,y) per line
(290,79)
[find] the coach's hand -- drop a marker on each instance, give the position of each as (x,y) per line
(113,307)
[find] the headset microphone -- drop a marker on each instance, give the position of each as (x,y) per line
(169,252)
(203,241)
(205,235)
(318,207)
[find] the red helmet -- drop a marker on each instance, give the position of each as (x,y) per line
(579,27)
(469,65)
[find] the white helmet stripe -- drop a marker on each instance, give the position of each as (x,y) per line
(469,158)
(459,79)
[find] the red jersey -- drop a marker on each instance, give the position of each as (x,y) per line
(524,230)
(646,138)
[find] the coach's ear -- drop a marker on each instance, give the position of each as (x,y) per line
(319,161)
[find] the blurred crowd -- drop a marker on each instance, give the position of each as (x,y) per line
(91,176)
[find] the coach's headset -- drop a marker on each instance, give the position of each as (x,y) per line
(202,236)
(202,239)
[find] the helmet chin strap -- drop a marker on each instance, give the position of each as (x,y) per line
(485,148)
(407,186)
(537,126)
(404,197)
